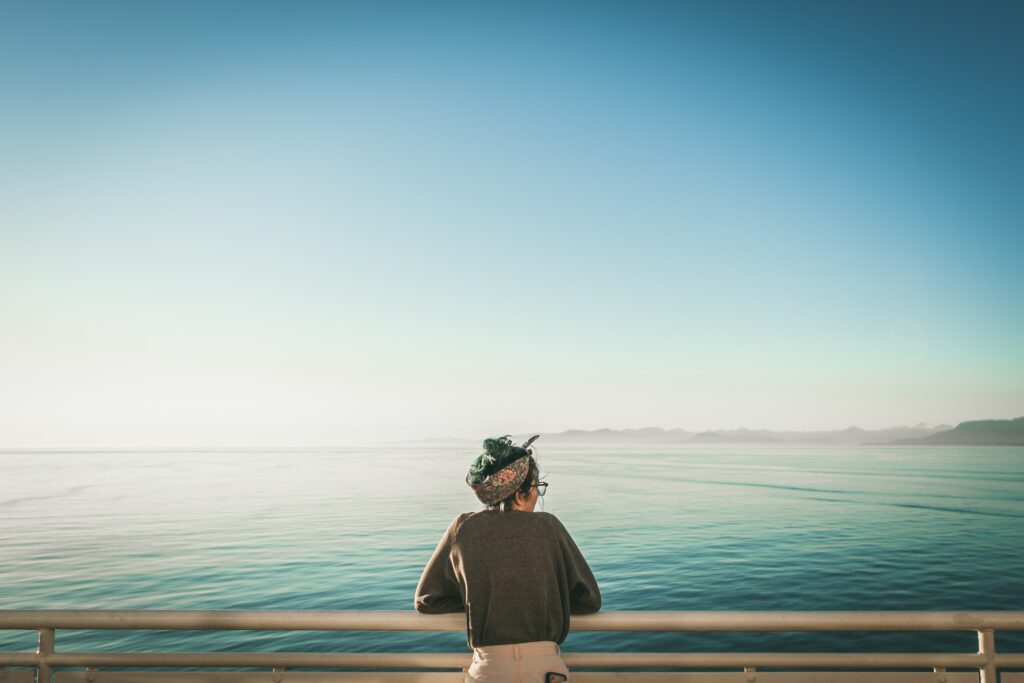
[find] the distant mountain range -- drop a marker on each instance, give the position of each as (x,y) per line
(975,433)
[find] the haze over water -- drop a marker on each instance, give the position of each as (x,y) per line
(722,528)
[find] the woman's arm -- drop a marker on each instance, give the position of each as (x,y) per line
(584,593)
(438,590)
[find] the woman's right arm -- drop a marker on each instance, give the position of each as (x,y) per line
(438,590)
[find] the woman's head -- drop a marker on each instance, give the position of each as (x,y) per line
(517,472)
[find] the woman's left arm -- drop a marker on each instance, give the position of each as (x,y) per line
(438,590)
(584,593)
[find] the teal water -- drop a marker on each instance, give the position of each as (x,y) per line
(746,528)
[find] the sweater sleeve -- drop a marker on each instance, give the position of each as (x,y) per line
(584,593)
(438,591)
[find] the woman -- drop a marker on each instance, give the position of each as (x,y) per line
(517,573)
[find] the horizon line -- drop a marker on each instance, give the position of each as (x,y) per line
(420,440)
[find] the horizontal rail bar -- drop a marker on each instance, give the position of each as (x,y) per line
(398,660)
(909,660)
(1013,660)
(441,660)
(413,621)
(458,677)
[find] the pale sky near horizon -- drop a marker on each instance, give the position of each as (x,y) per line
(316,224)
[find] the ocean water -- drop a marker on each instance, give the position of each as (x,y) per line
(742,528)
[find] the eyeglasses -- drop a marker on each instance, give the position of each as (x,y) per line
(542,487)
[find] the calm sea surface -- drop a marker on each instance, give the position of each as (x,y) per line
(745,528)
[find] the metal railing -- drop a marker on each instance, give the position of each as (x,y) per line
(747,666)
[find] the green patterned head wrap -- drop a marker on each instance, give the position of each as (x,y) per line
(500,470)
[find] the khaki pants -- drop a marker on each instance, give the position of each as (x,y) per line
(518,663)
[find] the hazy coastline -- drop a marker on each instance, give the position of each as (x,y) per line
(970,433)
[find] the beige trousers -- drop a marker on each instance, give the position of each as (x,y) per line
(517,663)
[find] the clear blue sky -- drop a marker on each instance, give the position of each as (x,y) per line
(242,223)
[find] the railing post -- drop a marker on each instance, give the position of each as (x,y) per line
(987,648)
(44,673)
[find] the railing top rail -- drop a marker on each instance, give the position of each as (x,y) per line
(603,621)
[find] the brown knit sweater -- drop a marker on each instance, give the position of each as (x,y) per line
(518,575)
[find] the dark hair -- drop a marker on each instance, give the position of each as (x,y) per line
(497,454)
